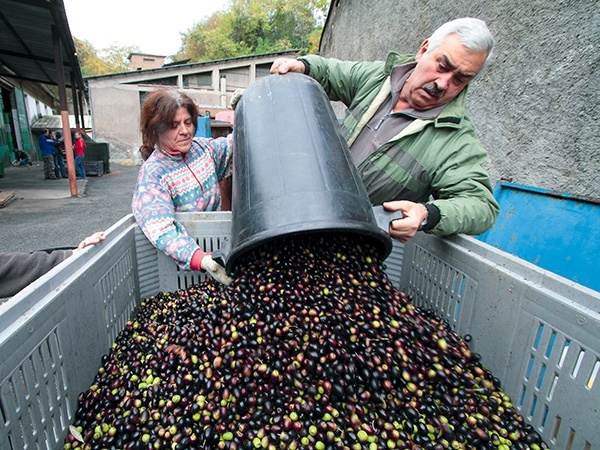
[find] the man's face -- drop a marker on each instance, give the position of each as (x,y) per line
(441,74)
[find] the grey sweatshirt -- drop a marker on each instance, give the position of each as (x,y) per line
(18,270)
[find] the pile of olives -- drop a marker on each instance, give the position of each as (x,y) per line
(311,347)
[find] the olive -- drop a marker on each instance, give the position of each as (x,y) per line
(311,346)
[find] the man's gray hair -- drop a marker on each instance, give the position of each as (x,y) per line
(474,34)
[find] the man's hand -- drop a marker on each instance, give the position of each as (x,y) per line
(405,228)
(215,270)
(91,240)
(285,65)
(235,98)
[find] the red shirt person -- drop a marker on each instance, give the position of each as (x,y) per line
(79,150)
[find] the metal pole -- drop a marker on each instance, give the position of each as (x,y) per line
(75,104)
(82,106)
(64,112)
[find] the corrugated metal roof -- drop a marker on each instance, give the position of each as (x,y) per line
(27,52)
(55,123)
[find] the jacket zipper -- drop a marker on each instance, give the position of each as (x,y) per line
(192,172)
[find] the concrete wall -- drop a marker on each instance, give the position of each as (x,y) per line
(141,61)
(115,100)
(536,107)
(116,116)
(116,119)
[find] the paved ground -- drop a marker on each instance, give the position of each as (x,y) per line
(45,215)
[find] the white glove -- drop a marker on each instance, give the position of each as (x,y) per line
(215,270)
(237,94)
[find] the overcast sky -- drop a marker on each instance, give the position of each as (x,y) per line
(154,29)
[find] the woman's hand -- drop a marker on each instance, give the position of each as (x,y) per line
(215,270)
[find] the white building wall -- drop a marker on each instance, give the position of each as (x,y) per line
(115,99)
(30,105)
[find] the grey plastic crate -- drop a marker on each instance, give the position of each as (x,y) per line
(54,332)
(95,168)
(537,332)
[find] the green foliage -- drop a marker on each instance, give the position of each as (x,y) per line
(113,59)
(248,27)
(254,27)
(90,62)
(207,38)
(117,57)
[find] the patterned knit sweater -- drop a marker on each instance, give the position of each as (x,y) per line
(183,183)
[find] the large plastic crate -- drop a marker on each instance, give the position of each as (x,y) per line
(94,168)
(54,332)
(98,151)
(537,332)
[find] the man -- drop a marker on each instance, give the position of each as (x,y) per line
(48,148)
(23,158)
(18,270)
(59,163)
(408,131)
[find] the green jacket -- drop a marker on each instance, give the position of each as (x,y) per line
(439,158)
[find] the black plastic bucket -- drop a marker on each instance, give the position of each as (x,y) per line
(292,170)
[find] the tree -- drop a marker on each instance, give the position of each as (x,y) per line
(113,59)
(256,26)
(91,64)
(210,39)
(248,27)
(117,57)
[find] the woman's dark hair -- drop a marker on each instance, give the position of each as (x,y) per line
(158,112)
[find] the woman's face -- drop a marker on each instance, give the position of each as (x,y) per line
(180,133)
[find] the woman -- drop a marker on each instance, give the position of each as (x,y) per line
(79,151)
(180,174)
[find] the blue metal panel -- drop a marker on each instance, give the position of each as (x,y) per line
(558,232)
(203,129)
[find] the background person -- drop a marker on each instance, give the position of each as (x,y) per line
(408,130)
(18,270)
(59,163)
(23,158)
(48,148)
(180,173)
(79,152)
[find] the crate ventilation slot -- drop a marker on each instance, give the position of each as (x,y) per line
(115,286)
(438,285)
(186,278)
(571,436)
(3,418)
(553,358)
(146,256)
(32,394)
(593,375)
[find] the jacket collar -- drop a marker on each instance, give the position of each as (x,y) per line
(175,156)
